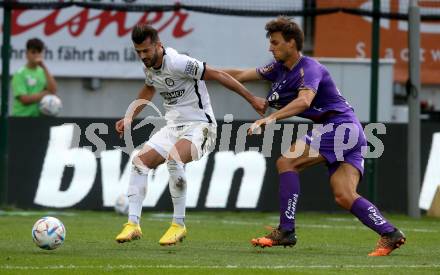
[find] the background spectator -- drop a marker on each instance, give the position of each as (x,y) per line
(32,81)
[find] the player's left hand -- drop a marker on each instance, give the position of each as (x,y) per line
(260,105)
(257,126)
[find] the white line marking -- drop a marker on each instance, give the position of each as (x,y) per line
(14,267)
(299,225)
(36,213)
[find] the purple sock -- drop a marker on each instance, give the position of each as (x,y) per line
(369,215)
(288,194)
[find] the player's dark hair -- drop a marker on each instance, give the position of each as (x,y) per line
(288,28)
(143,31)
(35,44)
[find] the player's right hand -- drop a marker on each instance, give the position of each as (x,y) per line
(120,125)
(260,105)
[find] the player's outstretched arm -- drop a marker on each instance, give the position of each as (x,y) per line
(259,104)
(296,106)
(145,93)
(243,75)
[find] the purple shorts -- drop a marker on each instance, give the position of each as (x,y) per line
(339,142)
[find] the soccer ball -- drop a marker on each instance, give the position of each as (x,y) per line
(48,233)
(50,105)
(121,204)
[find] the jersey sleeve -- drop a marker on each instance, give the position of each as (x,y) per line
(311,75)
(268,71)
(189,67)
(18,85)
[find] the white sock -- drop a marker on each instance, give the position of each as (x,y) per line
(137,190)
(177,186)
(179,221)
(133,219)
(179,210)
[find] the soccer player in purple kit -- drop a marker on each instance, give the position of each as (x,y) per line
(303,87)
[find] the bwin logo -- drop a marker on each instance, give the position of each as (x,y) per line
(114,180)
(274,97)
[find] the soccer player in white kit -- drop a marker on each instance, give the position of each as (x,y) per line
(190,131)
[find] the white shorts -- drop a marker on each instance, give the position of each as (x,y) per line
(201,134)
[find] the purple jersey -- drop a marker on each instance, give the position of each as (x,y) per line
(328,104)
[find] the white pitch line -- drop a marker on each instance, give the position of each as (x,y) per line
(36,213)
(325,226)
(339,267)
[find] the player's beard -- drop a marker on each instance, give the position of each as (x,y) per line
(280,57)
(151,62)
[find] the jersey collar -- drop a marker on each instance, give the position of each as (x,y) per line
(297,61)
(163,61)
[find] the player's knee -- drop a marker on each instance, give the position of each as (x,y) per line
(344,199)
(140,166)
(341,200)
(282,163)
(143,164)
(287,164)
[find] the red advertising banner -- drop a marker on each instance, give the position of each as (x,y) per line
(82,42)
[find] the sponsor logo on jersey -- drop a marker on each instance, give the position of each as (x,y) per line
(171,97)
(275,86)
(191,67)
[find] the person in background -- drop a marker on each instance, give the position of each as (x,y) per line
(32,81)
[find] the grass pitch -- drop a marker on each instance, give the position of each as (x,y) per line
(217,243)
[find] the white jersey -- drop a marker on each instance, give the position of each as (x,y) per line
(179,82)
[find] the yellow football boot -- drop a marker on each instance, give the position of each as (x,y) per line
(176,233)
(130,233)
